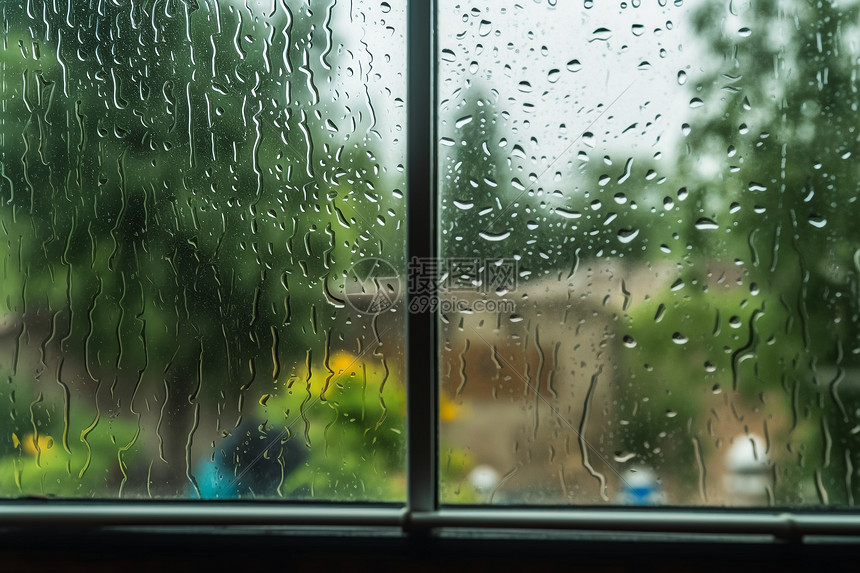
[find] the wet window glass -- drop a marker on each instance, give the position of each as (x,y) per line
(649,252)
(201,226)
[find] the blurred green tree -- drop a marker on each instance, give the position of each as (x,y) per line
(184,187)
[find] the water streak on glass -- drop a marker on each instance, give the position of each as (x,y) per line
(651,263)
(185,186)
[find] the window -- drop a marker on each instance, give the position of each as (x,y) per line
(189,190)
(674,185)
(606,253)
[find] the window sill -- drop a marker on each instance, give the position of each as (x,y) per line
(778,523)
(230,540)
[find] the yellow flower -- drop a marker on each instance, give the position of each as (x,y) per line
(30,444)
(448,410)
(344,363)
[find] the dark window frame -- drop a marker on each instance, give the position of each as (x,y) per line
(422,513)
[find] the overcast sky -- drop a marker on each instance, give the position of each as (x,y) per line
(625,56)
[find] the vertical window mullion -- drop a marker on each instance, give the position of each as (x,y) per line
(421,230)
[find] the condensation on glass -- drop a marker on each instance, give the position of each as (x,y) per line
(187,190)
(673,185)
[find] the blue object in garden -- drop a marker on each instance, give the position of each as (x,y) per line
(247,464)
(641,488)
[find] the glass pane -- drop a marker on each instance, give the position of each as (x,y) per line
(672,187)
(192,192)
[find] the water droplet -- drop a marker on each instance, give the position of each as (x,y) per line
(603,180)
(668,203)
(679,338)
(753,186)
(494,236)
(705,224)
(574,65)
(696,102)
(568,214)
(744,32)
(601,35)
(671,413)
(463,121)
(622,457)
(709,366)
(735,322)
(685,129)
(553,75)
(627,235)
(817,221)
(485,27)
(629,341)
(637,29)
(682,77)
(525,87)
